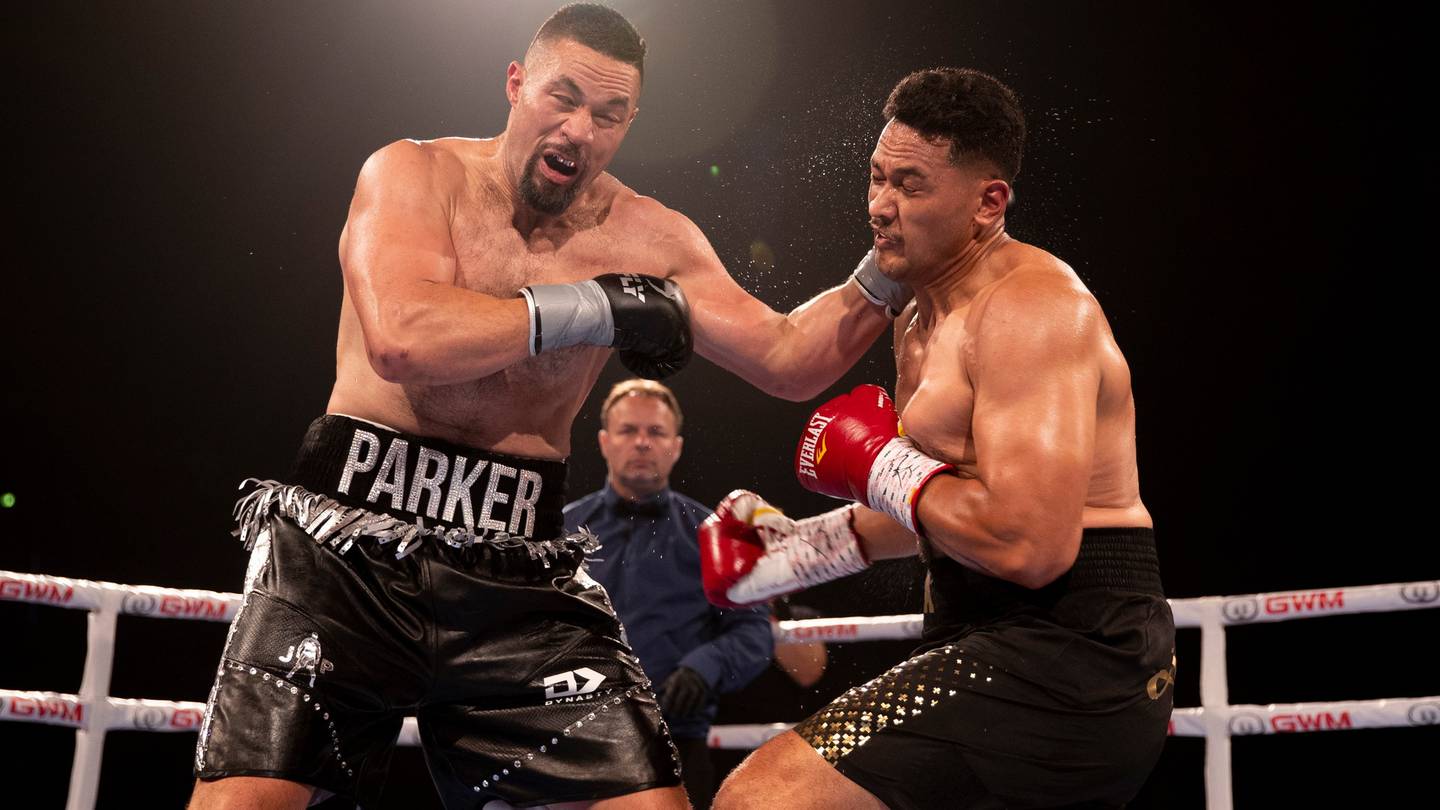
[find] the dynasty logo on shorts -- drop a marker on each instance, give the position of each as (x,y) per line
(441,484)
(567,687)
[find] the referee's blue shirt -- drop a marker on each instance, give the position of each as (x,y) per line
(649,562)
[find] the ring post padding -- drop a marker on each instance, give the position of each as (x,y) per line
(1215,695)
(94,689)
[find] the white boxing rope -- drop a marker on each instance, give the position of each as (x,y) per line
(1278,607)
(1295,718)
(174,603)
(134,600)
(122,713)
(42,707)
(745,737)
(855,628)
(92,712)
(1276,718)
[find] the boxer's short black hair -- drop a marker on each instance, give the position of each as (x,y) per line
(598,28)
(978,115)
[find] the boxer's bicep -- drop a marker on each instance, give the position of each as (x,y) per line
(732,328)
(795,355)
(1036,378)
(397,239)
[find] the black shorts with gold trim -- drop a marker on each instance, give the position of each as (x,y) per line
(1019,698)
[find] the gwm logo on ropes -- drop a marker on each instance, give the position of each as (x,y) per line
(1248,608)
(23,591)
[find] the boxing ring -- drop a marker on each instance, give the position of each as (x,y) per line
(93,712)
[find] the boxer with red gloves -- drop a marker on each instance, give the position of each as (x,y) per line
(853,449)
(751,553)
(1043,676)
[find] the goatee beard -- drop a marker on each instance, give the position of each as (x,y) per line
(542,195)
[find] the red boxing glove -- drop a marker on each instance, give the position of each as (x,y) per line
(842,440)
(852,449)
(751,553)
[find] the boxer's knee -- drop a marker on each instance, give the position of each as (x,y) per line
(787,772)
(666,798)
(249,793)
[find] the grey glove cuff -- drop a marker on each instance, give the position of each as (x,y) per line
(878,289)
(567,315)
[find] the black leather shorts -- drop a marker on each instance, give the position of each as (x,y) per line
(513,662)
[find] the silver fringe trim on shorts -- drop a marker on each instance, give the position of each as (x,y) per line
(329,521)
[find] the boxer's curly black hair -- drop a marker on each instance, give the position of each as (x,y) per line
(598,28)
(978,115)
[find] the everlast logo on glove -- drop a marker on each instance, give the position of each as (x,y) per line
(441,484)
(807,459)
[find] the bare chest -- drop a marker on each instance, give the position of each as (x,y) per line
(933,391)
(496,259)
(538,395)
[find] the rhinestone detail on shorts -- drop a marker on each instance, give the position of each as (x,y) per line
(906,691)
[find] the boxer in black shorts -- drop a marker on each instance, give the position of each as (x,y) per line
(1010,466)
(486,283)
(369,599)
(1018,696)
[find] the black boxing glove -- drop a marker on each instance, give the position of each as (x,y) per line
(645,318)
(683,694)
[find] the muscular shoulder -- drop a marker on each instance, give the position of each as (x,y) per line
(658,226)
(1041,302)
(437,167)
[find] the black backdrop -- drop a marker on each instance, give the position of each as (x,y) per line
(1243,188)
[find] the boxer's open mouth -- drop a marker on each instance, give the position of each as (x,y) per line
(560,164)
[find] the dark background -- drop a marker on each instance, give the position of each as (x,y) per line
(1244,188)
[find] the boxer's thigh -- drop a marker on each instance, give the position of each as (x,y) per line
(543,702)
(316,661)
(948,728)
(787,772)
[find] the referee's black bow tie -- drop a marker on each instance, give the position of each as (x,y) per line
(649,507)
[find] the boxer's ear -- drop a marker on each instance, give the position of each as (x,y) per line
(994,200)
(514,80)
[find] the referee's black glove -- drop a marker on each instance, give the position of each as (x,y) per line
(683,694)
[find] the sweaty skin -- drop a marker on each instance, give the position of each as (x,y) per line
(433,339)
(1006,367)
(1008,370)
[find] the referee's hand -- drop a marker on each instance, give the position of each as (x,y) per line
(684,693)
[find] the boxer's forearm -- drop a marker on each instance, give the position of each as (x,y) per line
(825,336)
(401,273)
(794,356)
(1029,544)
(881,537)
(804,663)
(436,334)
